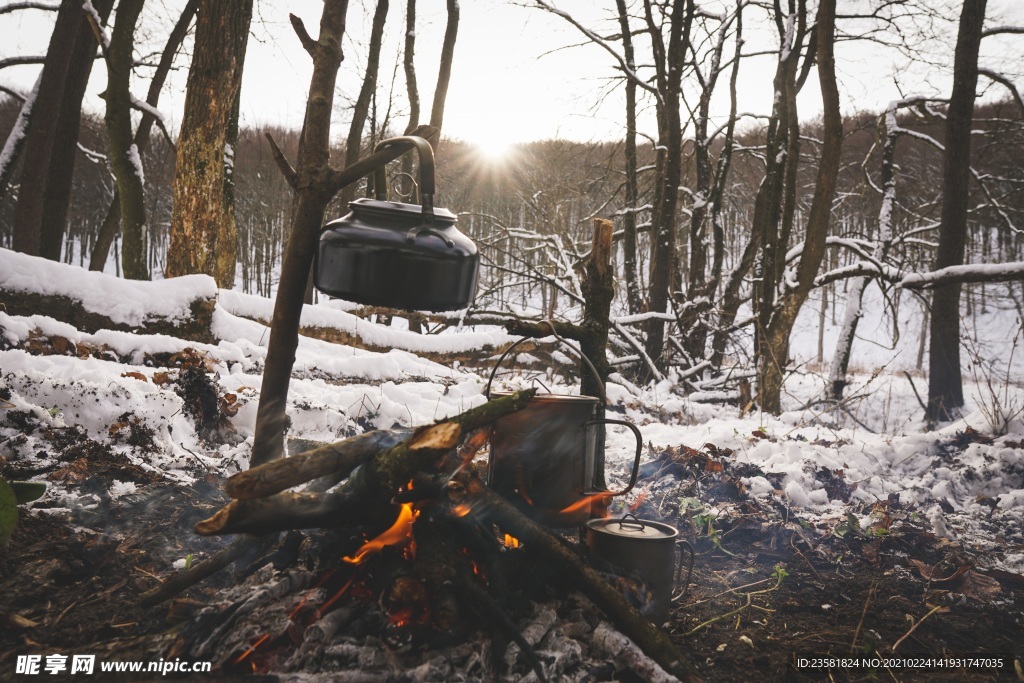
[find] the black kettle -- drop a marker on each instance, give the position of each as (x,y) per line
(398,255)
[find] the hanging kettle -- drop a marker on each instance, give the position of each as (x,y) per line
(398,255)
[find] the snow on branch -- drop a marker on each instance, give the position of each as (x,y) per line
(18,61)
(971,272)
(1001,30)
(96,23)
(158,118)
(17,6)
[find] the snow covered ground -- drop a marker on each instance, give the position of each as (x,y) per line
(972,488)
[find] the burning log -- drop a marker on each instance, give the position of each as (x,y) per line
(333,459)
(279,512)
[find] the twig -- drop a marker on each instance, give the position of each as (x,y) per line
(914,387)
(186,579)
(916,624)
(856,633)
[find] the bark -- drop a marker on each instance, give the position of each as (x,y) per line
(203,235)
(634,299)
(124,157)
(338,458)
(49,150)
(773,359)
(945,383)
(112,219)
(409,65)
(353,144)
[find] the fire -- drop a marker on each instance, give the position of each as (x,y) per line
(510,541)
(400,533)
(600,502)
(461,510)
(251,649)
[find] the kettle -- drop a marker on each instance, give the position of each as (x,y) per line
(398,255)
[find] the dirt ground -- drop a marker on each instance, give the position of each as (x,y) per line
(767,587)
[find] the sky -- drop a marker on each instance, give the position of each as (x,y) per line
(519,73)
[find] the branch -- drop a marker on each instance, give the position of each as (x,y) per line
(1001,30)
(13,93)
(308,44)
(18,61)
(158,118)
(15,6)
(290,176)
(1005,82)
(971,272)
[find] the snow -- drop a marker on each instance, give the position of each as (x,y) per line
(19,130)
(877,441)
(123,301)
(136,162)
(97,23)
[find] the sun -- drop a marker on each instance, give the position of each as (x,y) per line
(493,148)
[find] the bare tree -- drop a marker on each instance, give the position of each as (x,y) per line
(774,347)
(945,384)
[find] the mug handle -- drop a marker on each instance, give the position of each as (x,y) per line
(680,594)
(636,461)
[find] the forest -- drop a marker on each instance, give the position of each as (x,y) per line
(807,313)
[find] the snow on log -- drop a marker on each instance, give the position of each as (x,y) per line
(971,272)
(341,327)
(91,301)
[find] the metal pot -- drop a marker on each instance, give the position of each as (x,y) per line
(398,255)
(647,549)
(543,458)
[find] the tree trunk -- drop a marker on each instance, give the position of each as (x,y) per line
(444,69)
(854,297)
(669,165)
(633,295)
(52,133)
(112,219)
(945,384)
(204,236)
(15,143)
(124,155)
(776,337)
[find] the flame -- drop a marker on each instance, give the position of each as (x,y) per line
(251,649)
(399,533)
(334,598)
(599,500)
(510,541)
(461,510)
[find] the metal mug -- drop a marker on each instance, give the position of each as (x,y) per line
(543,458)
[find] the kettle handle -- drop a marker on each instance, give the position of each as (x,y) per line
(426,154)
(586,361)
(636,461)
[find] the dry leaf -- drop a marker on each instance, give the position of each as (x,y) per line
(135,375)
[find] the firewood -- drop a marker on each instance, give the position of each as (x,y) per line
(337,458)
(623,650)
(654,643)
(364,494)
(278,512)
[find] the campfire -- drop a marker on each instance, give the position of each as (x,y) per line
(415,553)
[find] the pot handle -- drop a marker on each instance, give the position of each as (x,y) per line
(426,154)
(677,593)
(636,462)
(554,333)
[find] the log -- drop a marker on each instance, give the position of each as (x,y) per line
(375,484)
(181,308)
(654,643)
(338,458)
(280,512)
